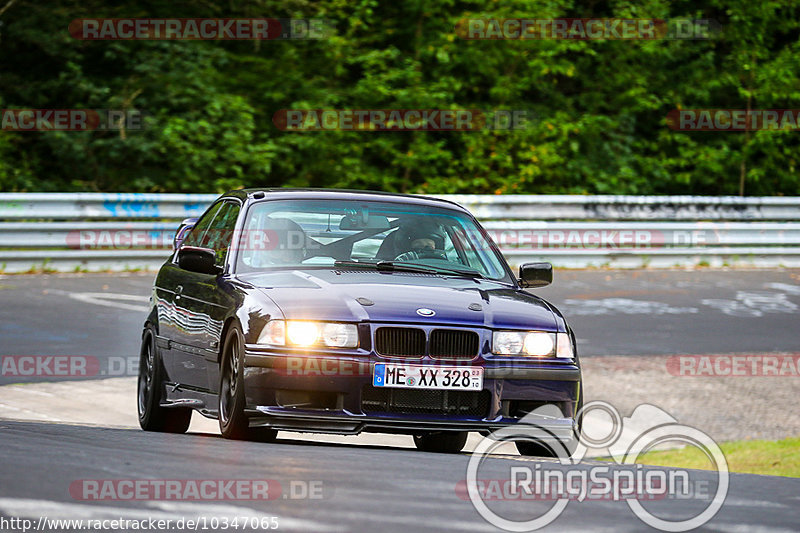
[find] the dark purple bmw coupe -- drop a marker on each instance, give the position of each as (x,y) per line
(346,311)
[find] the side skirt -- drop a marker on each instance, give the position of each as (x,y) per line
(182,396)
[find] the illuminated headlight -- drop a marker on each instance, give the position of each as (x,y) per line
(302,333)
(525,343)
(305,333)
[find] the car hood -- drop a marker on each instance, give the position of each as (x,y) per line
(366,295)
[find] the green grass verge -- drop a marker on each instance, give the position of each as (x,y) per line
(767,457)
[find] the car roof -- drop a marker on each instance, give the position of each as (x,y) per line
(336,194)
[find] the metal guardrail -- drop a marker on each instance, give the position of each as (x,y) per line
(102,231)
(667,208)
(87,206)
(82,235)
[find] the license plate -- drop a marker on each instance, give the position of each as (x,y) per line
(428,377)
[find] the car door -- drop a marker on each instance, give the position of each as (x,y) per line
(172,318)
(205,300)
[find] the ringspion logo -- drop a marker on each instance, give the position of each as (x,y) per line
(567,479)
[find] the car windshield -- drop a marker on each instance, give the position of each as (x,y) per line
(292,234)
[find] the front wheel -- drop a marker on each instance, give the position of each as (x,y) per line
(441,442)
(152,415)
(539,449)
(233,423)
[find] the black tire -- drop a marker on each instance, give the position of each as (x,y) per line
(539,449)
(152,416)
(233,423)
(442,441)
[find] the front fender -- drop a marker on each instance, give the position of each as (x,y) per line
(255,310)
(152,315)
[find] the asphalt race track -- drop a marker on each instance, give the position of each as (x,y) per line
(612,313)
(342,487)
(357,489)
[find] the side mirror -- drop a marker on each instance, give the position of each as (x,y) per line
(535,274)
(183,231)
(201,260)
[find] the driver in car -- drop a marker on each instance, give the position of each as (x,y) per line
(284,244)
(423,239)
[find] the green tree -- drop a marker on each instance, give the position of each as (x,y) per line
(597,109)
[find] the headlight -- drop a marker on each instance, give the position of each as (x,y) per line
(508,342)
(564,347)
(525,343)
(340,335)
(306,333)
(274,333)
(302,333)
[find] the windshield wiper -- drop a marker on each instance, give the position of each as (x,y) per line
(400,266)
(357,264)
(388,266)
(471,273)
(459,272)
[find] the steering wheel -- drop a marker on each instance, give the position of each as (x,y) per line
(424,253)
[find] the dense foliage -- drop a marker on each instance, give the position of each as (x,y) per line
(600,107)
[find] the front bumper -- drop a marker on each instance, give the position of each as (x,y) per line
(328,393)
